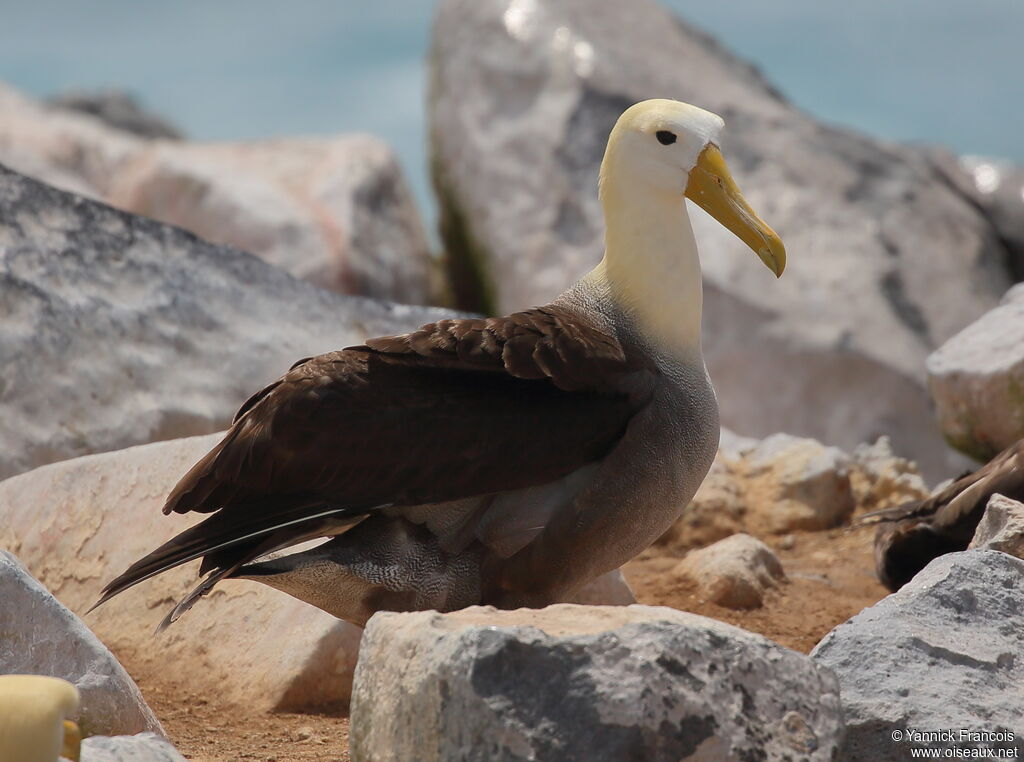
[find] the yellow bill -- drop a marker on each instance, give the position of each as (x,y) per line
(712,188)
(72,741)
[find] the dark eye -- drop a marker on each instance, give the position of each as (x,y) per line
(665,137)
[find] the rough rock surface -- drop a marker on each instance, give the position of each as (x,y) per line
(1001,527)
(585,683)
(784,483)
(41,637)
(144,747)
(734,572)
(887,258)
(977,381)
(77,524)
(117,330)
(336,211)
(943,652)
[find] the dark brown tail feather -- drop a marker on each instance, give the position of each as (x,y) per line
(226,529)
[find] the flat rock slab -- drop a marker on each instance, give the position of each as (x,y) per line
(573,683)
(41,637)
(887,257)
(942,653)
(78,523)
(977,381)
(116,330)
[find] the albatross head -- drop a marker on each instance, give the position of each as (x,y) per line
(664,150)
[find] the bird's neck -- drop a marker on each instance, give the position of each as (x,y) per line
(650,266)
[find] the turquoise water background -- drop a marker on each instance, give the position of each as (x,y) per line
(941,71)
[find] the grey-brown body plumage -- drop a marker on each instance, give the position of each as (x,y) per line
(911,535)
(502,461)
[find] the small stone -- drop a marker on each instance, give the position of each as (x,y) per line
(609,589)
(144,747)
(735,572)
(1001,527)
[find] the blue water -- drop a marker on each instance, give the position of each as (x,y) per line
(942,71)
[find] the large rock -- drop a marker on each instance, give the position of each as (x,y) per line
(117,330)
(144,747)
(886,257)
(735,572)
(41,637)
(77,524)
(942,653)
(585,683)
(977,381)
(336,211)
(1001,527)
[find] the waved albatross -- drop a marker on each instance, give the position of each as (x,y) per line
(503,461)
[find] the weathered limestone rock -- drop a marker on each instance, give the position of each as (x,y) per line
(735,572)
(777,485)
(144,747)
(1001,527)
(943,652)
(580,683)
(977,381)
(41,637)
(78,523)
(887,259)
(336,211)
(116,330)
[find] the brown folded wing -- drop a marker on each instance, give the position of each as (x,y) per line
(456,409)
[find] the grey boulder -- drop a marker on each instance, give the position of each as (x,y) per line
(942,653)
(116,330)
(887,258)
(572,683)
(41,637)
(977,381)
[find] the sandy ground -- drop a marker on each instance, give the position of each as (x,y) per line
(830,578)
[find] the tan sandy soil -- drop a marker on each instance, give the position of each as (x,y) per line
(830,575)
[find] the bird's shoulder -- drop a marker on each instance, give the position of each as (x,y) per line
(558,343)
